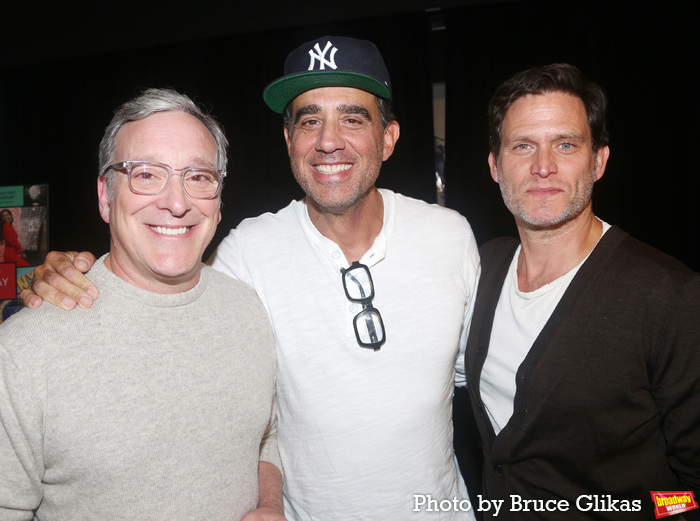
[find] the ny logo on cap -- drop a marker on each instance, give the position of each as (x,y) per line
(320,55)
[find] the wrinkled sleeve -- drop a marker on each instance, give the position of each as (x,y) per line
(471,274)
(20,444)
(676,385)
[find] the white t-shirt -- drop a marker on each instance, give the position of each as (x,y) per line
(360,432)
(518,321)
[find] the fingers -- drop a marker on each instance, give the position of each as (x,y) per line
(59,282)
(59,291)
(30,299)
(83,260)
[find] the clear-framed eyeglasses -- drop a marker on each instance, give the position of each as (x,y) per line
(146,178)
(368,324)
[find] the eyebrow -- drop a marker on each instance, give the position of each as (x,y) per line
(348,108)
(194,162)
(574,136)
(305,111)
(355,109)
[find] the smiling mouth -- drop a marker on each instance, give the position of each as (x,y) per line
(333,169)
(171,231)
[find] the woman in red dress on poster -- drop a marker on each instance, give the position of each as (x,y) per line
(13,249)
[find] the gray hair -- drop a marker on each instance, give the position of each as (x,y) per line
(150,102)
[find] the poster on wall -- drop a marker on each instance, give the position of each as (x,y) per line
(23,240)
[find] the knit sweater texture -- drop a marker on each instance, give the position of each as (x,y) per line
(145,406)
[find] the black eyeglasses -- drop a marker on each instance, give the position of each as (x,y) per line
(368,324)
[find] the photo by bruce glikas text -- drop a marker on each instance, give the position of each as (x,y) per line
(583,503)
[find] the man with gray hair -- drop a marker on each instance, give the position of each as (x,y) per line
(119,410)
(365,409)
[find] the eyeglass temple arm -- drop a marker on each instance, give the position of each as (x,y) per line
(359,285)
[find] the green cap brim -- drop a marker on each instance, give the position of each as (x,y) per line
(280,92)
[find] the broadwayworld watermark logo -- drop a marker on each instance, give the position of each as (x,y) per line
(671,503)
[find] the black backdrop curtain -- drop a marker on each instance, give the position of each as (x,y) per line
(52,117)
(644,54)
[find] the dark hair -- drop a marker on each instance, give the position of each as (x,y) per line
(558,77)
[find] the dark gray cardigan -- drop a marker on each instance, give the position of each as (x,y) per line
(608,398)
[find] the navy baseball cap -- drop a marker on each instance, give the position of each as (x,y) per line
(330,61)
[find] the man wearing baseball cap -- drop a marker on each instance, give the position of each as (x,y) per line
(368,292)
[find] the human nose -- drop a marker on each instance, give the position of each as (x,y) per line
(174,198)
(330,138)
(544,164)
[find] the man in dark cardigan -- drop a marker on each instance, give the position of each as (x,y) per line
(583,357)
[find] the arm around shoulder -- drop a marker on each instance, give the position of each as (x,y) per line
(60,281)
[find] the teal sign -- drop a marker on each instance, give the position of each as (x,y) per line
(11,196)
